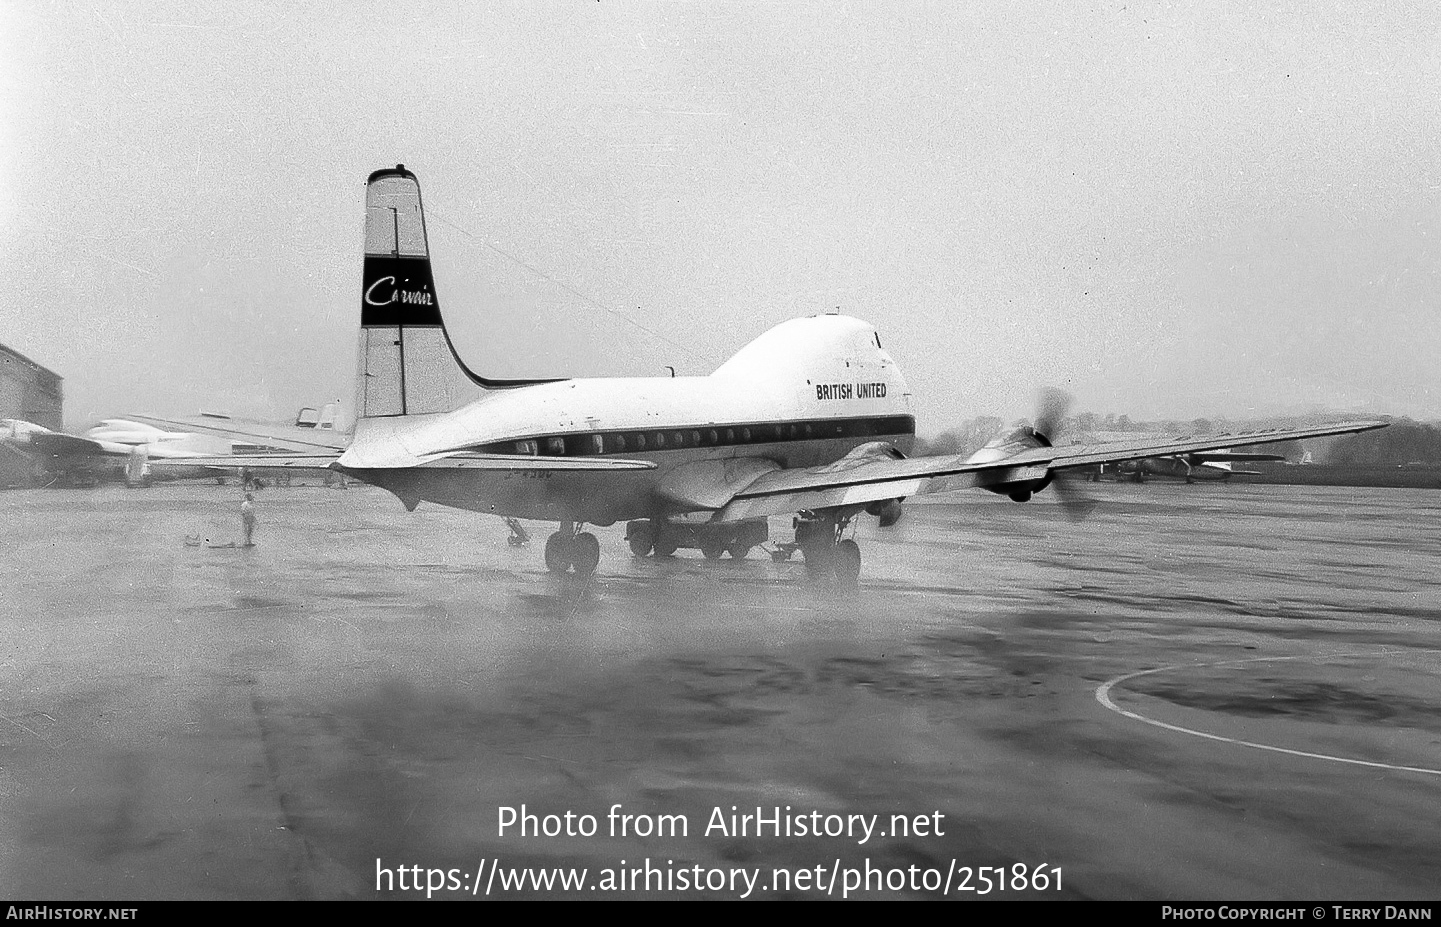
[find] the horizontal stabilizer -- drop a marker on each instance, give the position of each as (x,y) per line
(61,445)
(259,462)
(288,437)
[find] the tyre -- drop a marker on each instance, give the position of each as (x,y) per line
(641,541)
(848,563)
(557,553)
(712,551)
(738,550)
(585,553)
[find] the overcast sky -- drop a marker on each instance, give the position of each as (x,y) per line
(1183,210)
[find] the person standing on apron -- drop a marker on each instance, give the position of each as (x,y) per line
(247,519)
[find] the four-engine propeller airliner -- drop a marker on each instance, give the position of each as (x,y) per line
(813,417)
(113,449)
(1203,466)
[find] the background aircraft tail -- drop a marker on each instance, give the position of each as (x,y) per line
(408,365)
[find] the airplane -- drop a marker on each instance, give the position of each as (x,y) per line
(1189,467)
(112,449)
(124,448)
(1208,466)
(812,418)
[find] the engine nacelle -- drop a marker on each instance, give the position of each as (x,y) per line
(1017,483)
(887,510)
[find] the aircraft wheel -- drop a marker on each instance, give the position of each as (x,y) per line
(557,552)
(712,551)
(585,553)
(848,563)
(738,551)
(641,541)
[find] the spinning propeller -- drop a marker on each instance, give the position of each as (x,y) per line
(1052,407)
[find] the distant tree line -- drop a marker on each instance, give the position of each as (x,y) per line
(1404,442)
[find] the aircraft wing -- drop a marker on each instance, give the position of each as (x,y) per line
(1227,457)
(461,461)
(278,436)
(868,478)
(1080,455)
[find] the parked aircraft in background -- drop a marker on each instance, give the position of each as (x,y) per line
(813,417)
(1204,466)
(113,449)
(126,448)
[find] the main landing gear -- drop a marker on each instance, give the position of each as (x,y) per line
(664,538)
(569,548)
(830,558)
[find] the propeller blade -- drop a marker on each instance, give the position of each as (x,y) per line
(1052,407)
(1074,501)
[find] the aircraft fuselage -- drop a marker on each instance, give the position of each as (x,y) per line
(807,392)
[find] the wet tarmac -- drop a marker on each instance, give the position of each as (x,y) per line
(1201,692)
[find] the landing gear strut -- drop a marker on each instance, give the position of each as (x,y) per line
(569,547)
(829,556)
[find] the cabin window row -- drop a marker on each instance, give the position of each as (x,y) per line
(591,444)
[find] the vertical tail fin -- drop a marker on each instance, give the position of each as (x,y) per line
(407,363)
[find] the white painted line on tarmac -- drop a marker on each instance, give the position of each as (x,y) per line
(1103,695)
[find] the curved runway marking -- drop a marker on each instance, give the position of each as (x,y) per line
(1103,695)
